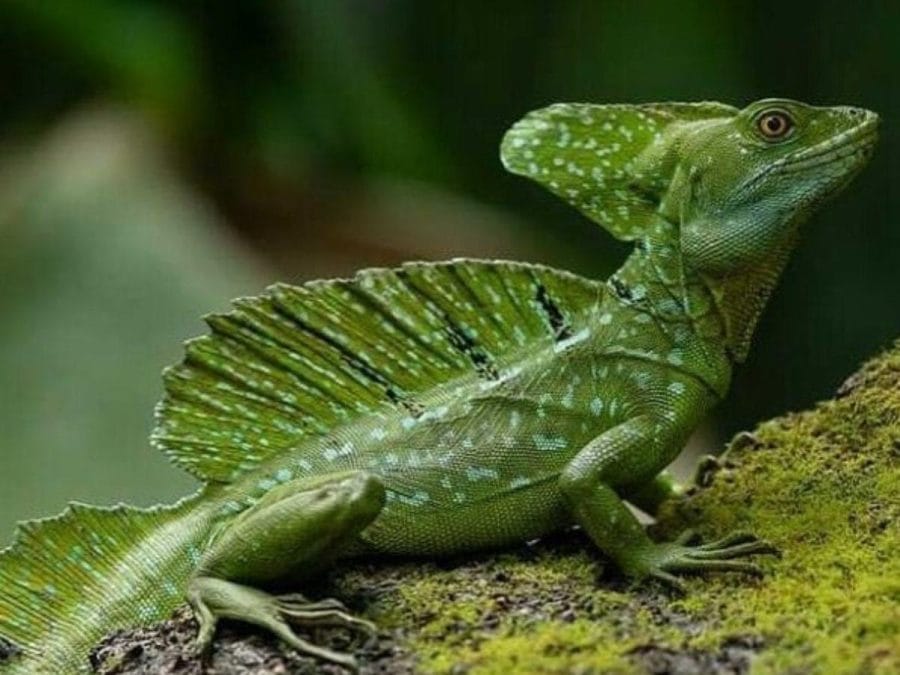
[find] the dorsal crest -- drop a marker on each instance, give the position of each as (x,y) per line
(301,361)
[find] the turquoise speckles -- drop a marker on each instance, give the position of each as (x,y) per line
(418,498)
(547,442)
(676,388)
(481,473)
(332,453)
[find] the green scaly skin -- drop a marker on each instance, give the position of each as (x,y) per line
(442,408)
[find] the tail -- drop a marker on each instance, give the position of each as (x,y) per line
(69,580)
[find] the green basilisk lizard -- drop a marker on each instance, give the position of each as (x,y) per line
(445,407)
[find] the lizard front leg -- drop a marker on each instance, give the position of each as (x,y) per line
(639,447)
(296,530)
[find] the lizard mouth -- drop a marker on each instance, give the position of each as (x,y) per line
(846,149)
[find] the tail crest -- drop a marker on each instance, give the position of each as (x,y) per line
(69,580)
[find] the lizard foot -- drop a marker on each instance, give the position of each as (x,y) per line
(213,599)
(685,556)
(328,612)
(705,472)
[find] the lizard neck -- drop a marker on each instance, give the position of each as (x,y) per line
(720,312)
(742,296)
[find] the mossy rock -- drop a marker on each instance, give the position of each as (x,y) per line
(823,485)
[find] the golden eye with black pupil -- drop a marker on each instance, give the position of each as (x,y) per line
(774,125)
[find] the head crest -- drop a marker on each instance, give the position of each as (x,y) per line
(591,156)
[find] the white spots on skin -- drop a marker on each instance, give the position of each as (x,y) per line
(675,357)
(597,406)
(676,388)
(547,442)
(332,453)
(418,498)
(479,473)
(605,319)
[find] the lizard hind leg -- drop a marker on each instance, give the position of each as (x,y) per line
(296,530)
(213,599)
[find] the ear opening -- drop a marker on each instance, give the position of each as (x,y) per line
(609,161)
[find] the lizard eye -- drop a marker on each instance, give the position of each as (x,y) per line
(774,125)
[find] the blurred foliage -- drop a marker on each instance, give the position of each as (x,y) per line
(107,263)
(332,134)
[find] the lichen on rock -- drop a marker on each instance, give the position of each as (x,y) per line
(822,485)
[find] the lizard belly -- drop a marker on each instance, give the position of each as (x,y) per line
(410,529)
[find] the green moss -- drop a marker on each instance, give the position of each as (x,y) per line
(823,485)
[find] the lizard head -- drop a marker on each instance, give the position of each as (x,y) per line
(742,185)
(728,186)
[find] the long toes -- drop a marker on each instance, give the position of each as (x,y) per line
(757,547)
(693,565)
(331,617)
(331,603)
(285,633)
(669,580)
(730,540)
(295,603)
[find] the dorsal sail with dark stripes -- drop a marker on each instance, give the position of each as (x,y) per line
(300,361)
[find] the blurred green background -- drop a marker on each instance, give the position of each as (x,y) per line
(159,157)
